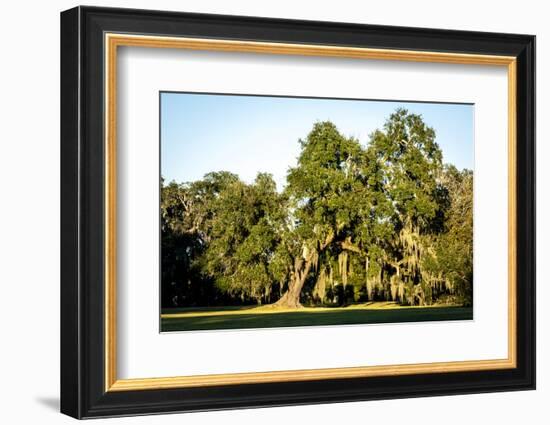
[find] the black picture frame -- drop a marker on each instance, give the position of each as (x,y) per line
(83,392)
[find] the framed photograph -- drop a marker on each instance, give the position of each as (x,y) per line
(261,212)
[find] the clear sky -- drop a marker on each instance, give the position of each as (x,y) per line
(201,133)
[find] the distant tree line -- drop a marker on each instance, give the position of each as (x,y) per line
(388,221)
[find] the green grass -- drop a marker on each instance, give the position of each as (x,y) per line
(194,319)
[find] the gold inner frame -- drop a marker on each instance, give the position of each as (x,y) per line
(113,41)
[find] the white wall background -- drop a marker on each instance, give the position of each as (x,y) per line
(29,213)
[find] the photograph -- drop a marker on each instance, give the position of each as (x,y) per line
(279,211)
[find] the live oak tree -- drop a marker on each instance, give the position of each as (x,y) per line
(186,214)
(384,221)
(244,231)
(320,189)
(337,209)
(448,266)
(411,163)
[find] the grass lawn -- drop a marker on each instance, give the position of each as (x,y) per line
(194,319)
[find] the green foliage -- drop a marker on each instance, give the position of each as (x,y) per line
(383,222)
(450,262)
(243,235)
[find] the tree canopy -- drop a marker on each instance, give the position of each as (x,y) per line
(386,221)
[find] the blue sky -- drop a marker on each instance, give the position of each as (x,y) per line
(201,133)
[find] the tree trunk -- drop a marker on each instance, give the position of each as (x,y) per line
(291,298)
(302,266)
